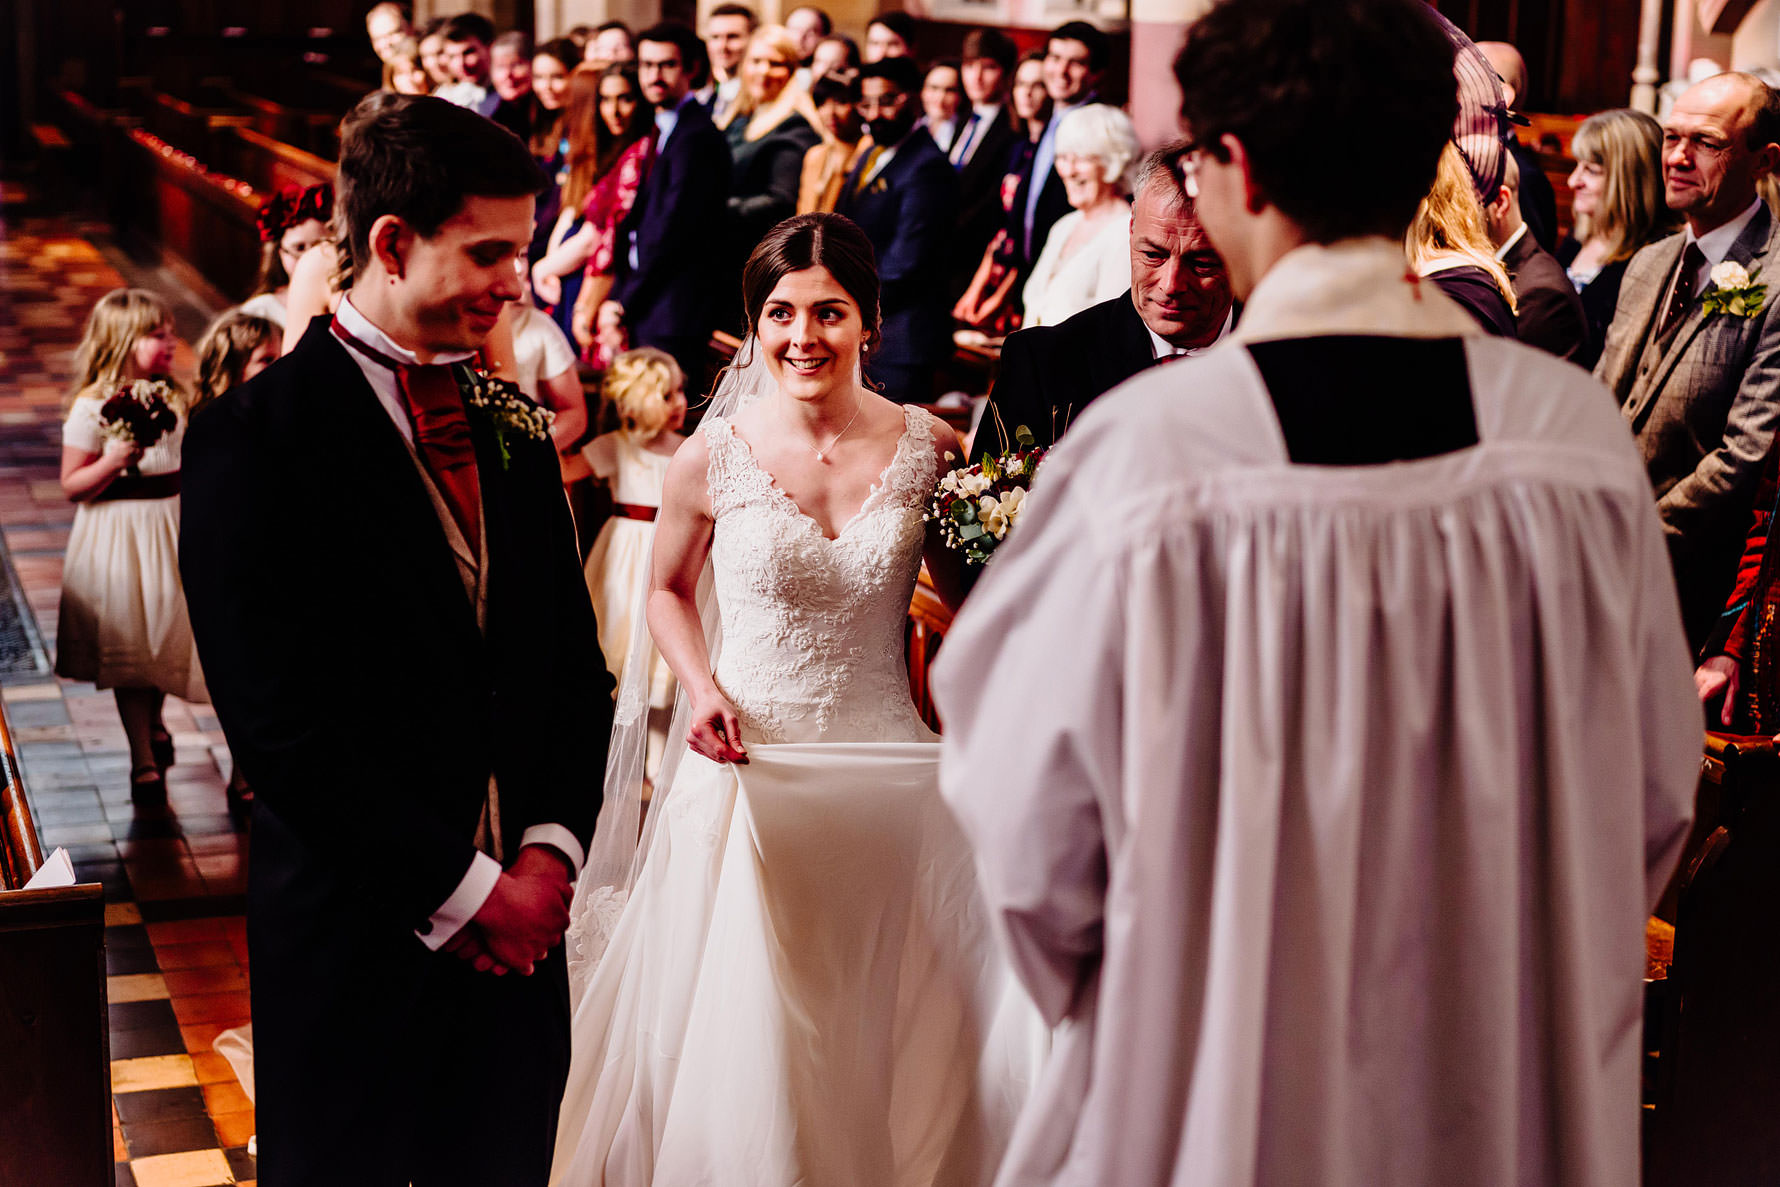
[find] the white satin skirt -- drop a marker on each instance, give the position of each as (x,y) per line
(802,989)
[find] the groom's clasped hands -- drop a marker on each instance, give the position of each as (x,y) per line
(523,918)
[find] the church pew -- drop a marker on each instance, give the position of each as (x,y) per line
(54,1044)
(1716,1031)
(187,127)
(310,131)
(268,164)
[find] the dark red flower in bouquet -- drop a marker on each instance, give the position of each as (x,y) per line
(139,413)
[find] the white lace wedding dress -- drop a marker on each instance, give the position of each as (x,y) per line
(802,987)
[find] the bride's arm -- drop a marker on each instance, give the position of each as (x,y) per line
(945,568)
(682,544)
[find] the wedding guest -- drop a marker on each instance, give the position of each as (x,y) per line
(609,125)
(890,35)
(544,369)
(1087,255)
(465,57)
(387,26)
(1538,202)
(432,52)
(727,32)
(675,227)
(980,151)
(808,25)
(548,136)
(611,44)
(1449,244)
(1260,602)
(377,943)
(1550,312)
(1178,303)
(768,133)
(402,72)
(647,391)
(510,66)
(836,55)
(1700,389)
(1075,59)
(942,99)
(1618,207)
(827,164)
(904,196)
(236,347)
(291,222)
(991,299)
(1735,679)
(122,621)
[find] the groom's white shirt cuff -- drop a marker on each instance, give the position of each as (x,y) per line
(478,883)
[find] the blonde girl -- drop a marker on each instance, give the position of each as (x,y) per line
(122,623)
(1449,244)
(237,346)
(646,390)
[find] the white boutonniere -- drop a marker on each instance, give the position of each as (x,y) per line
(1734,291)
(506,410)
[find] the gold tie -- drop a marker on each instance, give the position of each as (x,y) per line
(871,162)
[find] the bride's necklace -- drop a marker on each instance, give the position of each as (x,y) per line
(823,452)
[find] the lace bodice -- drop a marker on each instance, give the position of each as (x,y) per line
(813,628)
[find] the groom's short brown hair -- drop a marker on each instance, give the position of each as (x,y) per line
(418,158)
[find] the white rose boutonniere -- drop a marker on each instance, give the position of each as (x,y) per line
(1734,291)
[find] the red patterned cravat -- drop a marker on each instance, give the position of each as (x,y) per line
(441,431)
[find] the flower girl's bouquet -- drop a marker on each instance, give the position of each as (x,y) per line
(977,505)
(140,413)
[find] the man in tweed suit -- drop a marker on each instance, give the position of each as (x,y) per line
(1700,386)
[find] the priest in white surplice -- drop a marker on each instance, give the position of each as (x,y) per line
(1325,733)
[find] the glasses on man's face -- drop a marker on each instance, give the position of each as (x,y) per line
(1183,162)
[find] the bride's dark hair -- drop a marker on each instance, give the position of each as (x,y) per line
(830,241)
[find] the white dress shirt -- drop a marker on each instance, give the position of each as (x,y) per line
(1716,244)
(1162,348)
(478,881)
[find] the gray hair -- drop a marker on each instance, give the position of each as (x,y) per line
(1157,169)
(1105,133)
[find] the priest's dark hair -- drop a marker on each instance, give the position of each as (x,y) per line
(418,158)
(831,241)
(1305,85)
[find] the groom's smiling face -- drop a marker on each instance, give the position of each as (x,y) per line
(456,281)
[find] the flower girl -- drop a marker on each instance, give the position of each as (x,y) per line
(646,388)
(122,623)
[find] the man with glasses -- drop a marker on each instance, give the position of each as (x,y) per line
(1323,727)
(1179,304)
(1699,382)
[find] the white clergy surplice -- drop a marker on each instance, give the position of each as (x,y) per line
(1322,806)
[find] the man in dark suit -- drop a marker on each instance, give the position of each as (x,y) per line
(904,196)
(1180,303)
(1699,384)
(1075,59)
(673,236)
(383,586)
(1550,314)
(981,149)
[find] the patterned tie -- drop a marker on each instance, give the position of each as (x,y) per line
(1692,260)
(441,431)
(961,149)
(866,166)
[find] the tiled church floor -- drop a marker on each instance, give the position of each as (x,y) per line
(176,950)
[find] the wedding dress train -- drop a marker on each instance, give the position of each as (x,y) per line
(802,988)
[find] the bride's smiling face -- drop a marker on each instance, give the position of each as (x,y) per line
(811,333)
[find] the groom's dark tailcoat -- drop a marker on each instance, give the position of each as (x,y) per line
(1049,374)
(1702,402)
(368,711)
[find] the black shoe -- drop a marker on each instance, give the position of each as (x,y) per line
(240,798)
(147,788)
(160,744)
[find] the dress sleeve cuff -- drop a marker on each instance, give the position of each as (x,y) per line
(557,837)
(478,883)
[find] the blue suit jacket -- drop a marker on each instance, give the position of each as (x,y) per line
(678,219)
(908,211)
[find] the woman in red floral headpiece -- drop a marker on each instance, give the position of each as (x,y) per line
(292,221)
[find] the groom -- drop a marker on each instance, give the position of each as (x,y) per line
(384,588)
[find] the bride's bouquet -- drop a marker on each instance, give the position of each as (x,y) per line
(977,505)
(140,413)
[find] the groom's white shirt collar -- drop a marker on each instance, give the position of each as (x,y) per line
(478,881)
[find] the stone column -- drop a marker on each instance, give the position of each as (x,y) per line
(1158,28)
(1646,74)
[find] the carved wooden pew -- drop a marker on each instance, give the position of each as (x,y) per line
(55,1080)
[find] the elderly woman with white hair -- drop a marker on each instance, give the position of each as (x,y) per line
(1087,256)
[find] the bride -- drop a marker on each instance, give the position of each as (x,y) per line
(794,980)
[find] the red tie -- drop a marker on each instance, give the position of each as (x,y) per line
(441,431)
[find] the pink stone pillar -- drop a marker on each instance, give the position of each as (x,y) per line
(1158,28)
